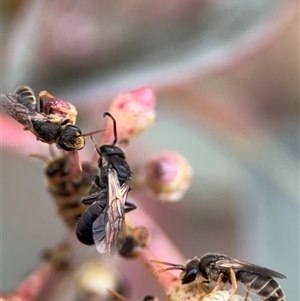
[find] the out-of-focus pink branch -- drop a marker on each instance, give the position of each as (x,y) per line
(14,138)
(29,288)
(160,247)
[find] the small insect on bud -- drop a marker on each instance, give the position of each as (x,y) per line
(168,176)
(135,113)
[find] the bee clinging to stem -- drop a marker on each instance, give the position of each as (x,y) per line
(65,187)
(51,122)
(223,269)
(103,223)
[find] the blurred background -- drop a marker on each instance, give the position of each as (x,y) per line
(226,74)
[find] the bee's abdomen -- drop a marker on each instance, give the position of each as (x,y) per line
(264,286)
(84,229)
(26,97)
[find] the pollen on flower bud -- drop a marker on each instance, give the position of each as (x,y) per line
(223,296)
(133,111)
(168,176)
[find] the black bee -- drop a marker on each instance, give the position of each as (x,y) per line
(38,118)
(221,268)
(103,223)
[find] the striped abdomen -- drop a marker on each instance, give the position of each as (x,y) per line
(67,190)
(264,286)
(25,95)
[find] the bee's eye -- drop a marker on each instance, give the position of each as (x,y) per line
(189,276)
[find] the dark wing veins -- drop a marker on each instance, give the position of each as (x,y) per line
(246,267)
(109,230)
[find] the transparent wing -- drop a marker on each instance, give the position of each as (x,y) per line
(47,125)
(109,229)
(19,111)
(247,267)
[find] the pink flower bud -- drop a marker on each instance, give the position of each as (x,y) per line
(133,111)
(168,176)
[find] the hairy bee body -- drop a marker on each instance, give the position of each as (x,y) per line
(258,280)
(55,125)
(221,268)
(67,190)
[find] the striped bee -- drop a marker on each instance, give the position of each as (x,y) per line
(223,269)
(51,122)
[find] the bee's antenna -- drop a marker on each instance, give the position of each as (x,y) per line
(92,133)
(115,126)
(95,145)
(173,266)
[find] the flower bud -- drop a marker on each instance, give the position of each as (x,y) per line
(168,176)
(133,111)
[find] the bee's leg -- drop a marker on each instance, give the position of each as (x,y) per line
(214,289)
(246,297)
(200,286)
(40,103)
(89,199)
(52,151)
(233,283)
(129,206)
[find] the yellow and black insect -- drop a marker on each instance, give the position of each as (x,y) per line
(66,188)
(223,269)
(51,122)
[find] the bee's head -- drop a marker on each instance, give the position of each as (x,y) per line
(110,150)
(191,271)
(71,138)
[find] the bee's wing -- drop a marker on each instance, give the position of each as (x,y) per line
(18,111)
(109,229)
(238,265)
(47,125)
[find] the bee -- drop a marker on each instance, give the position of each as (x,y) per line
(223,269)
(103,223)
(51,122)
(66,188)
